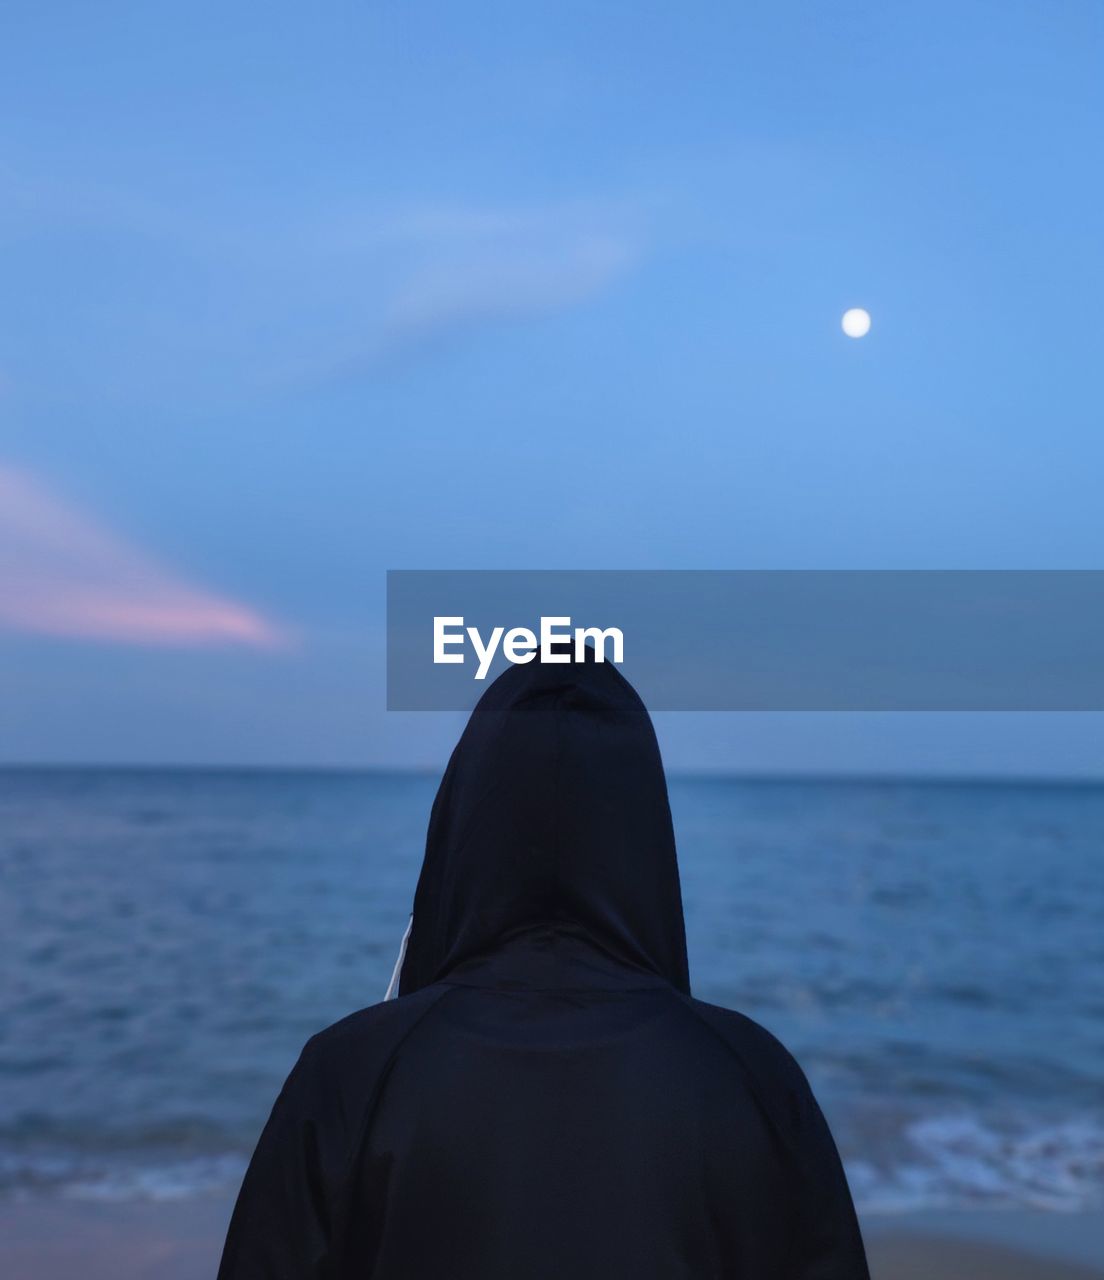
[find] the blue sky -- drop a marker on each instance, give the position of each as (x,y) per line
(294,296)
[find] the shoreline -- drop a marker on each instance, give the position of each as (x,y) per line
(57,1238)
(901,1256)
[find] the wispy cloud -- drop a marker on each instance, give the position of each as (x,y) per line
(62,573)
(484,287)
(442,272)
(310,290)
(468,267)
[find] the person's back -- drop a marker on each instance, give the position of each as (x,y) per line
(545,1098)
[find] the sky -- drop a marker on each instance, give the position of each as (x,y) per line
(293,295)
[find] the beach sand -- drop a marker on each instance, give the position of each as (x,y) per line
(62,1239)
(925,1257)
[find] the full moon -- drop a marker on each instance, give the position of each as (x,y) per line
(856,322)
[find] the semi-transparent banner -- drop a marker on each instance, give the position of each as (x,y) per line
(760,640)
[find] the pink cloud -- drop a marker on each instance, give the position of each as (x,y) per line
(63,573)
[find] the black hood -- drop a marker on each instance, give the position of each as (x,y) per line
(552,813)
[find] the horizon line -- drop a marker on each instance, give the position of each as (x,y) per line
(811,776)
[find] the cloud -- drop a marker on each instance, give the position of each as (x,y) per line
(418,278)
(235,293)
(483,285)
(62,573)
(443,272)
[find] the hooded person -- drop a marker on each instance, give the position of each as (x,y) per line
(545,1100)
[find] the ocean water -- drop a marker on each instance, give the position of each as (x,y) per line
(933,954)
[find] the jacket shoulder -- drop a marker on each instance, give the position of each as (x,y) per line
(738,1027)
(375,1027)
(772,1071)
(341,1069)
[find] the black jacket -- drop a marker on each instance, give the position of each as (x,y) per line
(545,1100)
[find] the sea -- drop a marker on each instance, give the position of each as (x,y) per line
(932,953)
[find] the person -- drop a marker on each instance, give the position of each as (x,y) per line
(545,1099)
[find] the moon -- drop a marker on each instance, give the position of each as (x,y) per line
(856,322)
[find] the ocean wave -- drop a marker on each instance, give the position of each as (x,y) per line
(960,1160)
(954,1160)
(85,1178)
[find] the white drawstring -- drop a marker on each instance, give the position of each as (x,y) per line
(393,985)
